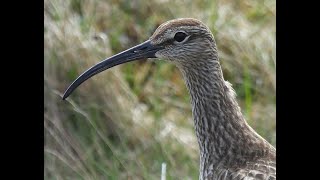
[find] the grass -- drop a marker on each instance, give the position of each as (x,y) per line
(127,121)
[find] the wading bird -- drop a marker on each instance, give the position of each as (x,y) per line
(229,147)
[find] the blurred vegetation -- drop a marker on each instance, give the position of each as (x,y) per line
(125,122)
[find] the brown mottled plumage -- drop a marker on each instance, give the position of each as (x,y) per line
(229,147)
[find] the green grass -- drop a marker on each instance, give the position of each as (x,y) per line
(125,122)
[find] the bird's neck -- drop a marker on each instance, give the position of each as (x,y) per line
(223,135)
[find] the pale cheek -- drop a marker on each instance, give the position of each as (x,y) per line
(159,55)
(164,55)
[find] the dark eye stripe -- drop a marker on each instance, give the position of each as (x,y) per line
(167,42)
(180,36)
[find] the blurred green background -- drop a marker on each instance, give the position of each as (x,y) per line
(125,122)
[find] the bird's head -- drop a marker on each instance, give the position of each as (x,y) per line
(181,41)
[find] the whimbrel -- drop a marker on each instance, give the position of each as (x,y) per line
(229,147)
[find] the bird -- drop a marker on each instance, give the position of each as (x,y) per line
(229,148)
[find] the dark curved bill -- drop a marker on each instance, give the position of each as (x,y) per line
(141,51)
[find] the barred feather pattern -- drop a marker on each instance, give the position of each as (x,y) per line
(229,147)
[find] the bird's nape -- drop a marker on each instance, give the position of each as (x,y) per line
(164,43)
(229,147)
(141,51)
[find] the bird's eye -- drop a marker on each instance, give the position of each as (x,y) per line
(180,36)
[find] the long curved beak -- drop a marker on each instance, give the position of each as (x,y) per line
(141,51)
